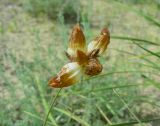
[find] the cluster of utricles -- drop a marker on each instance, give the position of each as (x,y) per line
(83,59)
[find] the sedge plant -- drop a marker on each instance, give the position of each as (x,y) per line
(83,60)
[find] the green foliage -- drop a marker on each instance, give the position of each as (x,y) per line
(139,1)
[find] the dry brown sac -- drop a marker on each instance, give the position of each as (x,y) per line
(94,67)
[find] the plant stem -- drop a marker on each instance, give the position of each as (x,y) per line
(52,103)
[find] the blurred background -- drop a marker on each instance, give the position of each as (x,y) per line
(34,35)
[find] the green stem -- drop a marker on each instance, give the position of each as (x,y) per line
(52,103)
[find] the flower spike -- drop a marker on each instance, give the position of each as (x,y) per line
(100,43)
(69,75)
(77,42)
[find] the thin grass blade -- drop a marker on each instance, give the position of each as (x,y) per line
(71,115)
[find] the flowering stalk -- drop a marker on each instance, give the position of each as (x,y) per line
(83,60)
(52,103)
